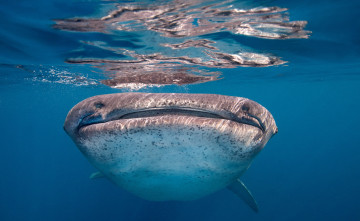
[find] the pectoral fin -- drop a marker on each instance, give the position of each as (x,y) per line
(242,191)
(96,175)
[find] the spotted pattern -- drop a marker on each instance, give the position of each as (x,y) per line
(169,155)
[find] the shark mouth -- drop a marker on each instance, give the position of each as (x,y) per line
(148,113)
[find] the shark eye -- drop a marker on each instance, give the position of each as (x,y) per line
(99,105)
(245,108)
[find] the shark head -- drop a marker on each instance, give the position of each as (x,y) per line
(170,146)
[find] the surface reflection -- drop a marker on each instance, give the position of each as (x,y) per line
(181,27)
(137,81)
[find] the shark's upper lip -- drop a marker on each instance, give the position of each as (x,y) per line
(125,108)
(96,118)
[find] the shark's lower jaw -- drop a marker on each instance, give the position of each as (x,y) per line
(170,157)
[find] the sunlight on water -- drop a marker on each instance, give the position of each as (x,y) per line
(62,77)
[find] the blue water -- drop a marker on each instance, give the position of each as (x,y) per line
(308,171)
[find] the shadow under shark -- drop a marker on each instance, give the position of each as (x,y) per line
(171,146)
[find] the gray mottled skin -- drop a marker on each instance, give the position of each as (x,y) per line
(170,146)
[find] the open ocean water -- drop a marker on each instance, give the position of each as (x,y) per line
(305,70)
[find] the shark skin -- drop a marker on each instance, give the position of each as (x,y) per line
(170,146)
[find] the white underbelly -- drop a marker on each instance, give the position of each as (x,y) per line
(171,162)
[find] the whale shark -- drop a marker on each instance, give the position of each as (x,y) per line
(171,146)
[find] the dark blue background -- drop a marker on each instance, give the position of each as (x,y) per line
(308,171)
